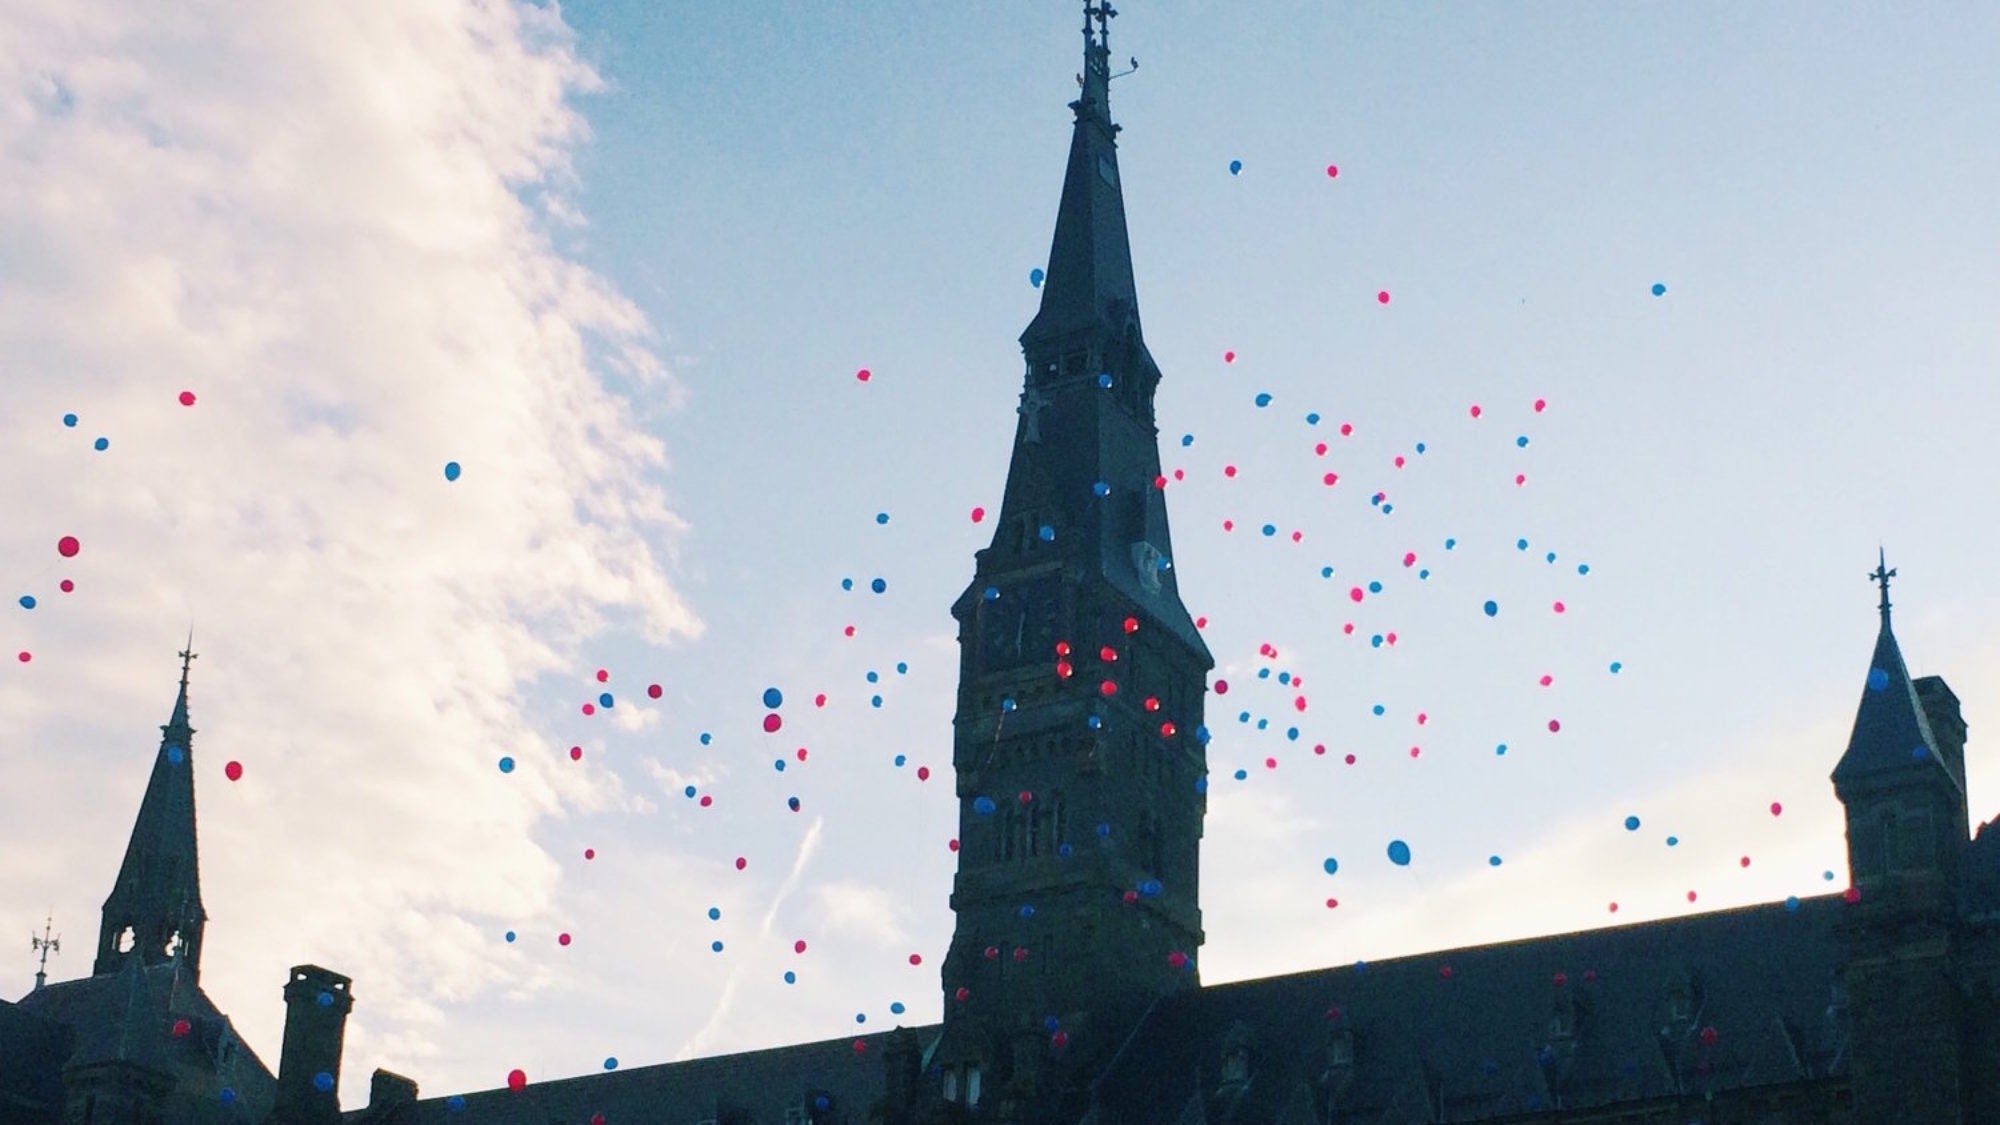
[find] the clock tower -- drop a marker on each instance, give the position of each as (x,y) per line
(1078,737)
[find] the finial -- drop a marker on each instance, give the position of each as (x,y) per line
(1103,13)
(1881,575)
(45,945)
(187,656)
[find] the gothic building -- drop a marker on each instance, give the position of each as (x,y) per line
(1071,995)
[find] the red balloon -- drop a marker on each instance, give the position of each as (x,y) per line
(517,1080)
(67,546)
(187,398)
(772,722)
(233,771)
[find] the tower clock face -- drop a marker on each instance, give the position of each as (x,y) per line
(1019,626)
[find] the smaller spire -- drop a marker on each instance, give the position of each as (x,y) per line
(1881,575)
(45,945)
(188,655)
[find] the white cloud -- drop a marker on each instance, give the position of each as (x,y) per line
(313,218)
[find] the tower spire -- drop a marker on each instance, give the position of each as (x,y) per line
(154,911)
(45,945)
(1881,575)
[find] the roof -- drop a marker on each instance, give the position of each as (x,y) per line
(34,1049)
(130,1015)
(756,1086)
(1472,1034)
(1891,735)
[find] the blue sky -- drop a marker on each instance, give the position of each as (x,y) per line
(622,263)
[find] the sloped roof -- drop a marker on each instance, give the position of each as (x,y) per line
(1891,734)
(130,1015)
(34,1049)
(1480,1043)
(756,1086)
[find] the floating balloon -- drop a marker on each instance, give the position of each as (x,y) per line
(187,398)
(233,771)
(1399,853)
(67,546)
(517,1080)
(1035,277)
(1660,290)
(1235,167)
(773,698)
(451,470)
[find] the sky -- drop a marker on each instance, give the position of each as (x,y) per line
(1719,280)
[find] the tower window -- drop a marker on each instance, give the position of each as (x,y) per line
(951,1083)
(125,940)
(971,1086)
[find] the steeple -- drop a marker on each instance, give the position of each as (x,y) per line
(1089,276)
(154,912)
(1078,740)
(1892,734)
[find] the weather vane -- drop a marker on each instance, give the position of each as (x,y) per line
(1881,575)
(45,945)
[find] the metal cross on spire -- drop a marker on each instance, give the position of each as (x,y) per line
(1881,575)
(188,656)
(45,945)
(1103,13)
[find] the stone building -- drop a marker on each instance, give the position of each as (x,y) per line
(1071,995)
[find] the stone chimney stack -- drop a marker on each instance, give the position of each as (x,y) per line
(316,1005)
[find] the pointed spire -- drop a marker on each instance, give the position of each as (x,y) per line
(1089,277)
(1891,732)
(154,911)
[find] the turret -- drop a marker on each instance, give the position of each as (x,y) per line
(316,1005)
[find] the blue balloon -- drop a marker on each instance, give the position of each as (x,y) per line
(779,765)
(611,1063)
(1631,824)
(1877,678)
(860,1017)
(706,738)
(878,585)
(1500,750)
(1791,902)
(716,946)
(847,583)
(902,667)
(1332,865)
(1399,853)
(1187,440)
(176,755)
(1104,380)
(27,601)
(1493,861)
(1615,666)
(714,913)
(983,806)
(69,420)
(1264,399)
(1659,289)
(1035,277)
(604,700)
(1522,441)
(228,1095)
(896,1008)
(322,1081)
(510,937)
(506,765)
(101,444)
(1235,167)
(1673,841)
(881,517)
(1101,489)
(451,470)
(1027,911)
(773,698)
(791,977)
(1492,608)
(324,999)
(900,759)
(455,1103)
(1048,534)
(991,593)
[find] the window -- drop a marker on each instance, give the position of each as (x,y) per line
(951,1083)
(1340,1052)
(971,1086)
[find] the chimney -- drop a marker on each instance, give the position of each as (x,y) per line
(316,1005)
(387,1090)
(1947,726)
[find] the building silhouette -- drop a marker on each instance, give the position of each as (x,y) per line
(1071,991)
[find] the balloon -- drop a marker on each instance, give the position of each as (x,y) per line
(1399,853)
